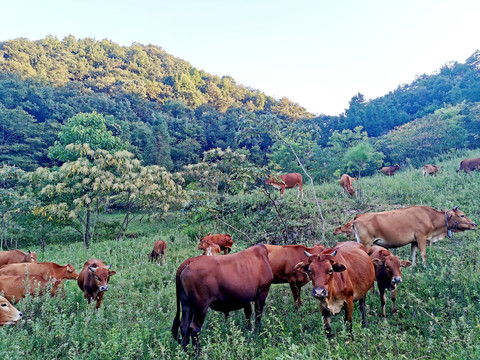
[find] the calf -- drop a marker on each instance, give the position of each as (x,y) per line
(390,170)
(93,280)
(45,269)
(287,181)
(16,287)
(210,249)
(159,251)
(347,184)
(8,314)
(223,240)
(430,170)
(388,273)
(16,256)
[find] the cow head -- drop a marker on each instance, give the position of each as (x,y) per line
(457,221)
(70,272)
(9,315)
(396,167)
(101,276)
(31,256)
(346,229)
(391,266)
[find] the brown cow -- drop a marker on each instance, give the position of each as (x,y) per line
(390,170)
(223,240)
(16,256)
(159,251)
(340,276)
(430,170)
(346,229)
(288,181)
(283,260)
(222,283)
(347,184)
(388,273)
(45,269)
(468,165)
(16,287)
(93,280)
(210,249)
(8,314)
(416,225)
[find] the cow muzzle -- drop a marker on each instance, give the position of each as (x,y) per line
(319,293)
(103,288)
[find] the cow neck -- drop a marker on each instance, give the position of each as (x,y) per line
(449,230)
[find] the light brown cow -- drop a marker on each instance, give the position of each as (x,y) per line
(45,269)
(430,170)
(9,315)
(390,170)
(223,240)
(346,229)
(287,181)
(388,273)
(347,184)
(283,260)
(16,287)
(468,165)
(159,251)
(93,280)
(417,225)
(210,249)
(16,256)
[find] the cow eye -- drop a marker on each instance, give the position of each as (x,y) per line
(462,215)
(3,305)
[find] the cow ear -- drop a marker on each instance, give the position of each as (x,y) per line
(339,267)
(302,267)
(377,262)
(405,263)
(111,273)
(92,269)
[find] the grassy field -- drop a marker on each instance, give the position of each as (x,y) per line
(439,307)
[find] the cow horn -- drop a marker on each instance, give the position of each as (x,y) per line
(334,253)
(92,268)
(108,267)
(307,253)
(455,208)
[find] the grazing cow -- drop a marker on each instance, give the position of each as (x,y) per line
(346,229)
(16,287)
(222,283)
(388,273)
(210,249)
(468,165)
(223,240)
(430,169)
(347,184)
(417,225)
(45,269)
(159,251)
(340,276)
(390,170)
(16,256)
(9,315)
(283,260)
(288,181)
(93,280)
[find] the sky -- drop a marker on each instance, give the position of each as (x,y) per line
(316,53)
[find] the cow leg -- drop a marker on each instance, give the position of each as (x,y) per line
(296,294)
(99,300)
(393,297)
(327,321)
(89,299)
(383,299)
(361,302)
(187,316)
(196,326)
(282,190)
(422,246)
(414,253)
(349,312)
(248,314)
(259,304)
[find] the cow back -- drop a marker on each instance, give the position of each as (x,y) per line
(45,269)
(16,256)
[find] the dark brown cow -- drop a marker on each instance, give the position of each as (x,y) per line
(210,249)
(45,269)
(93,280)
(222,283)
(223,240)
(288,181)
(16,256)
(430,170)
(347,184)
(468,165)
(346,229)
(16,287)
(388,273)
(283,260)
(340,276)
(417,225)
(8,314)
(390,170)
(159,251)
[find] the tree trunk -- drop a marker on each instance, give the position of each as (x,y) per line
(86,236)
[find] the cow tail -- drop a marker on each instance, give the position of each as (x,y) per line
(355,231)
(178,285)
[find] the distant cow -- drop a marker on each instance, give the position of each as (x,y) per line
(159,251)
(430,170)
(340,276)
(223,240)
(468,165)
(390,170)
(9,315)
(210,249)
(416,225)
(222,283)
(45,269)
(283,260)
(16,256)
(16,287)
(287,181)
(388,273)
(93,280)
(347,184)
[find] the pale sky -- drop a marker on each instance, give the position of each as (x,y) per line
(316,53)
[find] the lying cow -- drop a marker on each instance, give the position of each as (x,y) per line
(388,273)
(468,165)
(222,283)
(283,260)
(45,269)
(223,240)
(417,225)
(9,315)
(347,184)
(210,249)
(340,276)
(16,256)
(159,251)
(93,280)
(430,170)
(16,287)
(390,170)
(287,181)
